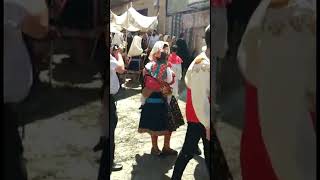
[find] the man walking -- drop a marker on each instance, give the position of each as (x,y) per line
(197,110)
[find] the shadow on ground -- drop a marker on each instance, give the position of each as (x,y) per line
(45,101)
(68,71)
(199,172)
(126,93)
(150,167)
(156,168)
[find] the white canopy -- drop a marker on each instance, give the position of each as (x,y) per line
(132,20)
(115,28)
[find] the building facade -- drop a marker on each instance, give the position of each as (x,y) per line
(190,17)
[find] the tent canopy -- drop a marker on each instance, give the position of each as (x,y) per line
(132,20)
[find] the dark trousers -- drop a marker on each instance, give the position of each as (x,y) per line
(14,168)
(107,156)
(195,131)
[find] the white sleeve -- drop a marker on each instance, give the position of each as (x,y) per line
(187,78)
(113,63)
(169,75)
(148,65)
(14,13)
(200,88)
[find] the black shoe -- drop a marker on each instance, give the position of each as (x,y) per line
(198,152)
(117,167)
(100,144)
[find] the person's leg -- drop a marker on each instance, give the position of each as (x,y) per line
(155,149)
(166,146)
(14,167)
(105,169)
(189,147)
(103,130)
(206,148)
(113,125)
(167,138)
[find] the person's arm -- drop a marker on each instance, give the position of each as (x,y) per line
(200,88)
(31,26)
(120,68)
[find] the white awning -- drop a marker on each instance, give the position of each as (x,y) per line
(132,20)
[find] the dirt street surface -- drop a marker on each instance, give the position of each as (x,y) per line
(63,128)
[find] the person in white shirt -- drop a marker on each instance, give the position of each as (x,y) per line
(31,18)
(197,110)
(153,39)
(277,58)
(104,172)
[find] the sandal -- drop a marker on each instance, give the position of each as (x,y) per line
(169,152)
(155,152)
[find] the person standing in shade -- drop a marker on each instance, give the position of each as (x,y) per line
(183,51)
(109,148)
(197,110)
(31,18)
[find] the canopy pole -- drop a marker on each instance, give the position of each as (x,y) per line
(127,30)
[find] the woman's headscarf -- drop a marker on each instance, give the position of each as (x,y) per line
(166,38)
(158,46)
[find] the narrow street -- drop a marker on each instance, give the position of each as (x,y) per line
(58,143)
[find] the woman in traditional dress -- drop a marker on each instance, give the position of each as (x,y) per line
(157,116)
(277,57)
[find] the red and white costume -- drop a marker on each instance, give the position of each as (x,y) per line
(277,58)
(198,91)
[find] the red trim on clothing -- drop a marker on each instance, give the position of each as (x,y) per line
(190,113)
(255,161)
(174,59)
(220,3)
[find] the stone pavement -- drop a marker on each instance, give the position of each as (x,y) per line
(60,147)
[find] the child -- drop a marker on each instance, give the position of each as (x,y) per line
(174,62)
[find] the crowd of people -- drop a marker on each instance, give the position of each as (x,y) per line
(143,42)
(160,112)
(279,138)
(264,35)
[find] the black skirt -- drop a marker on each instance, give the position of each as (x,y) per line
(160,118)
(154,115)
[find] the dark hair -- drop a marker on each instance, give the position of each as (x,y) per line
(115,47)
(174,48)
(163,57)
(208,36)
(165,45)
(181,35)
